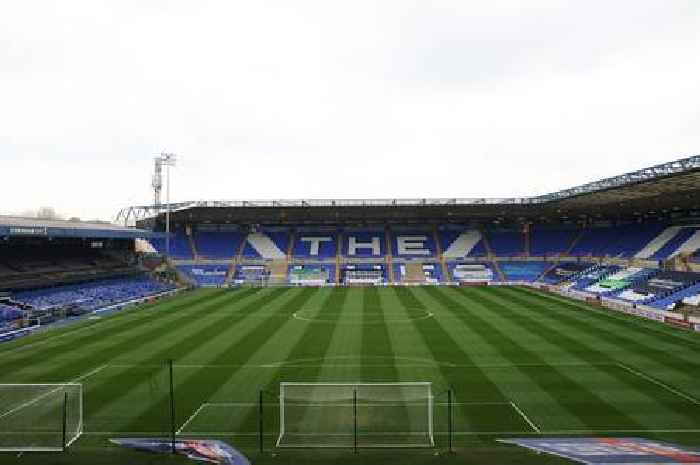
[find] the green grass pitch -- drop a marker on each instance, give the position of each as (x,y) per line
(521,363)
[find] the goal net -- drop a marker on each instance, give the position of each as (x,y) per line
(40,417)
(356,414)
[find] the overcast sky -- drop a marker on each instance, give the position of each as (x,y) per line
(329,99)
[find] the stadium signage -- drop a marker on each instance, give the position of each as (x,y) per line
(677,322)
(648,314)
(28,231)
(636,311)
(609,451)
(697,327)
(203,272)
(201,450)
(411,245)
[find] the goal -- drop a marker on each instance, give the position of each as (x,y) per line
(40,417)
(356,415)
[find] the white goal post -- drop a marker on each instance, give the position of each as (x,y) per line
(40,417)
(356,415)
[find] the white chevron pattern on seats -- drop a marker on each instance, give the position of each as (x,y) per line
(658,242)
(689,246)
(464,244)
(265,246)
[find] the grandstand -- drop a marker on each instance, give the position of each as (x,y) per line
(570,314)
(627,228)
(51,270)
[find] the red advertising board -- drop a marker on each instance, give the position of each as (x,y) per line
(677,322)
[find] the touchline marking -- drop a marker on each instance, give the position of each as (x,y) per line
(525,417)
(661,384)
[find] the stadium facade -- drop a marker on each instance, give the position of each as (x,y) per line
(641,227)
(433,276)
(630,241)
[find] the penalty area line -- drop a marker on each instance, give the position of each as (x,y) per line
(192,417)
(31,402)
(525,417)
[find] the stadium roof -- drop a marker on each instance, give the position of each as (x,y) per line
(655,191)
(13,226)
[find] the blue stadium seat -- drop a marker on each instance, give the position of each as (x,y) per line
(217,244)
(550,242)
(92,295)
(507,243)
(523,271)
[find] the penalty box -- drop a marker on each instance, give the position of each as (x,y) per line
(374,415)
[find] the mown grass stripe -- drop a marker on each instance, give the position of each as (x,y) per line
(375,338)
(137,339)
(102,330)
(313,344)
(556,334)
(649,330)
(318,336)
(135,342)
(587,406)
(376,342)
(56,335)
(203,383)
(444,348)
(622,336)
(102,394)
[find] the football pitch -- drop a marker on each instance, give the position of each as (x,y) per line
(519,363)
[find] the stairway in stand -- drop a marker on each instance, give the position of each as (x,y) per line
(489,252)
(576,240)
(414,273)
(527,238)
(338,255)
(235,261)
(278,271)
(440,256)
(190,239)
(389,256)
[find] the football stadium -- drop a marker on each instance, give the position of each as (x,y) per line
(357,331)
(315,232)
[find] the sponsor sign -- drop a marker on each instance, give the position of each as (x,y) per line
(697,327)
(27,231)
(677,322)
(11,335)
(648,314)
(202,450)
(611,451)
(203,272)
